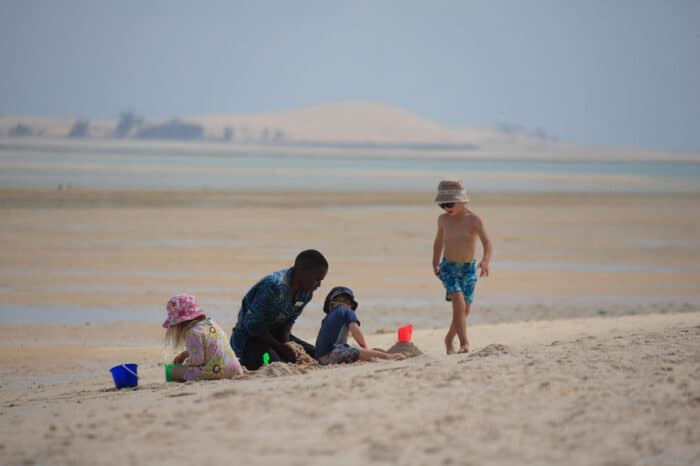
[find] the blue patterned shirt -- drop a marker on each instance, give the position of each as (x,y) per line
(268,307)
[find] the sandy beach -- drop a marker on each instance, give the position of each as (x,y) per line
(621,390)
(585,337)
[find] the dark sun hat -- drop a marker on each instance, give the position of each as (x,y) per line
(334,293)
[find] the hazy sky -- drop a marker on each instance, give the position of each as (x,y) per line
(595,72)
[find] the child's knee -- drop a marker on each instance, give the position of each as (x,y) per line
(458,300)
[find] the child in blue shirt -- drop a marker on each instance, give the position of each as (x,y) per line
(331,343)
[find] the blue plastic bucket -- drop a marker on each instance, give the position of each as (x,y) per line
(125,375)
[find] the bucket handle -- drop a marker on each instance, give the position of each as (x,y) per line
(130,371)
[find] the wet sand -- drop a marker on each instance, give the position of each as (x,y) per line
(84,256)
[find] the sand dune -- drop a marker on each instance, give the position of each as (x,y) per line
(341,126)
(342,122)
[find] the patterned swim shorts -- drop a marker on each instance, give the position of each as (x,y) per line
(458,276)
(341,353)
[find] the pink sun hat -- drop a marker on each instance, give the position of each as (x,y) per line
(181,308)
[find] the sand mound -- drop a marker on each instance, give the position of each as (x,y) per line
(303,358)
(494,349)
(406,348)
(278,369)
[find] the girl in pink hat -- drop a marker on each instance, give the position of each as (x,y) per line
(207,353)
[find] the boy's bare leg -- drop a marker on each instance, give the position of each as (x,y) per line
(369,354)
(459,324)
(450,339)
(465,348)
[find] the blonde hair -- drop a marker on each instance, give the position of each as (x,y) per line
(340,299)
(175,335)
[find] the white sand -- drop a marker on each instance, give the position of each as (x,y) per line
(591,391)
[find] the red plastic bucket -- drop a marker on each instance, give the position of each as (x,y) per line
(405,333)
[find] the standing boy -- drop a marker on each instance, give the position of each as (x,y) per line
(457,231)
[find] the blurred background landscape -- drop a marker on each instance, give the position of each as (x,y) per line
(154,148)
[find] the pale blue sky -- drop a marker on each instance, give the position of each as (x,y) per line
(593,72)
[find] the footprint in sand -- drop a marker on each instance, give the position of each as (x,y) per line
(177,395)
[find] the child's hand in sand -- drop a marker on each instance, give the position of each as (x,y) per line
(180,358)
(286,353)
(397,356)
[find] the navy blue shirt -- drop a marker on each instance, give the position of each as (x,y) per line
(268,307)
(334,329)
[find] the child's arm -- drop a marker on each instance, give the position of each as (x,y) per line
(284,351)
(488,248)
(180,358)
(194,342)
(286,331)
(357,334)
(437,248)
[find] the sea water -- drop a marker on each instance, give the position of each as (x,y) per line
(140,168)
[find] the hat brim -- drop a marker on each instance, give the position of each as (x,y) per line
(168,323)
(442,198)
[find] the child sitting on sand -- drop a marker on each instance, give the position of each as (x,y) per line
(457,231)
(331,343)
(207,354)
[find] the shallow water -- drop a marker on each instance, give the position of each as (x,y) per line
(238,170)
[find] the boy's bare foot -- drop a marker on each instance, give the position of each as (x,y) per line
(449,346)
(464,348)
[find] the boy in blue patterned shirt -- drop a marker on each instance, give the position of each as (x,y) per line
(457,231)
(271,307)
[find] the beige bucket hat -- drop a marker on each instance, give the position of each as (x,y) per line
(451,191)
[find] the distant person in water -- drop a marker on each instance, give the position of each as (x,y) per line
(454,252)
(271,307)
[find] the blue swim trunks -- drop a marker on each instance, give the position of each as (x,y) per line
(458,276)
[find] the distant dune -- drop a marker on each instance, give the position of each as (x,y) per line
(356,126)
(350,122)
(332,123)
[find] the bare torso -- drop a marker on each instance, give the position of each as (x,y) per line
(460,233)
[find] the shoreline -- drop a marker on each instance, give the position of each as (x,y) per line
(491,152)
(555,254)
(39,198)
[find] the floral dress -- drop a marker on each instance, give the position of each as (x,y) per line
(210,355)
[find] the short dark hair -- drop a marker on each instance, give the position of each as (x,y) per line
(310,259)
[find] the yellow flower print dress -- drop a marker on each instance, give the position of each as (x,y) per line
(210,354)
